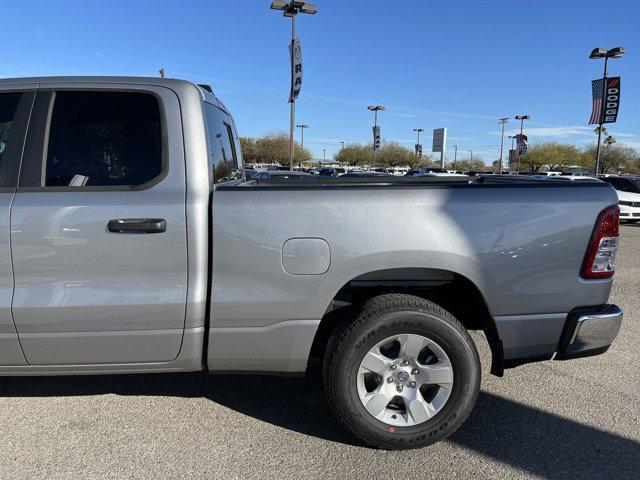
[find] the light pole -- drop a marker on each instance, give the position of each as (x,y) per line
(375,109)
(291,9)
(455,156)
(503,122)
(513,139)
(324,154)
(341,145)
(302,127)
(596,54)
(418,130)
(522,118)
(470,158)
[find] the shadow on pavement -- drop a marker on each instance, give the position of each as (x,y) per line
(511,433)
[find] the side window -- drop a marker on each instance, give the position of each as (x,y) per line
(224,161)
(8,105)
(104,139)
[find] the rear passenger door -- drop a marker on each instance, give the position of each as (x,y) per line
(98,227)
(15,106)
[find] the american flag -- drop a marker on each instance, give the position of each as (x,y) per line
(597,89)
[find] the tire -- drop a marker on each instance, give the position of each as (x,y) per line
(408,319)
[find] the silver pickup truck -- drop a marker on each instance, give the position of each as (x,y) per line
(131,241)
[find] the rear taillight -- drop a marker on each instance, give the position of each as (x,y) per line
(601,255)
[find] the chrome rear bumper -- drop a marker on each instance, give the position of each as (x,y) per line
(590,332)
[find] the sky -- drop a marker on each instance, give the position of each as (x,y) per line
(459,64)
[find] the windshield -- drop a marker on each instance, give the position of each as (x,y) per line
(635,184)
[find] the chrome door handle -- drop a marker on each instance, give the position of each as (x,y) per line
(137,225)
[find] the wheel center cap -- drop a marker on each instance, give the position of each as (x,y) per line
(402,376)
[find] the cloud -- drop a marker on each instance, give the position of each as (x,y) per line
(568,131)
(404,115)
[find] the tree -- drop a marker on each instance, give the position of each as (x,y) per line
(554,155)
(273,147)
(249,152)
(354,154)
(614,156)
(392,154)
(468,165)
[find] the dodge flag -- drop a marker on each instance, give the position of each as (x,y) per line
(295,52)
(606,100)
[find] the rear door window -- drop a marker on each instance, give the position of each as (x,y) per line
(225,161)
(8,106)
(104,139)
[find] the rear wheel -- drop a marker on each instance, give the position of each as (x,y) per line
(403,374)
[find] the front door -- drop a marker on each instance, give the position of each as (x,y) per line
(98,228)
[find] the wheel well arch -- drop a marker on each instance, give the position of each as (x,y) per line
(450,290)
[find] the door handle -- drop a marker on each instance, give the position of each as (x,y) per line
(137,225)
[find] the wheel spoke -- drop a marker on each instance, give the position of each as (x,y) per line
(377,403)
(412,345)
(439,374)
(420,410)
(374,362)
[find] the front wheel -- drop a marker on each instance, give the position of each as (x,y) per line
(404,374)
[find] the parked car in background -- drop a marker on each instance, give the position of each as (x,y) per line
(250,173)
(281,174)
(365,174)
(331,171)
(628,190)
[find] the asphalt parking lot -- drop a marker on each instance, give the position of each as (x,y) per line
(577,419)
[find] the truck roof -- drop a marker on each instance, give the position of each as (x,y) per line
(172,83)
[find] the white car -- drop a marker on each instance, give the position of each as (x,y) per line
(628,190)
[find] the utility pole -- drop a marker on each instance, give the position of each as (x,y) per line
(292,9)
(598,53)
(522,118)
(455,156)
(376,140)
(503,122)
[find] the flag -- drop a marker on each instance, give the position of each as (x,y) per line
(295,54)
(612,100)
(597,90)
(521,142)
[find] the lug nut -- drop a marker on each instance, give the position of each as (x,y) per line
(412,384)
(389,379)
(415,371)
(393,367)
(405,362)
(399,388)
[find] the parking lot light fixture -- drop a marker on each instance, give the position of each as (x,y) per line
(418,130)
(596,54)
(503,122)
(522,118)
(291,9)
(375,109)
